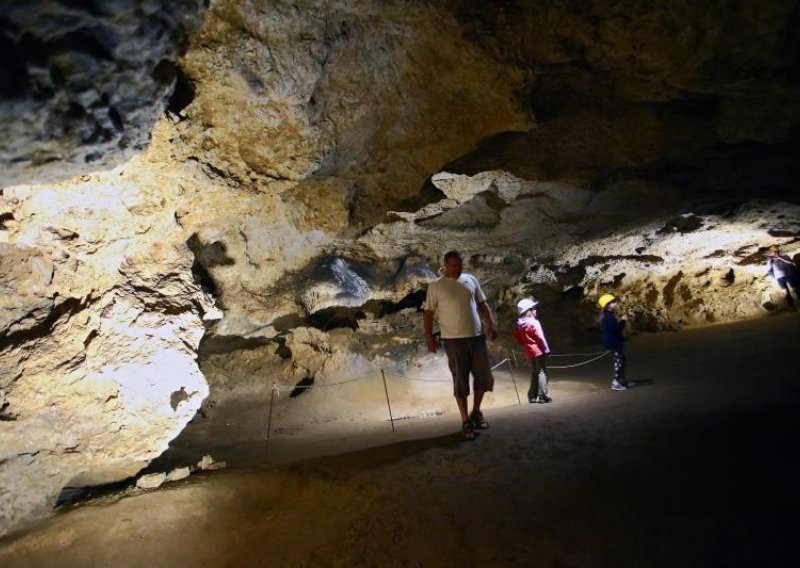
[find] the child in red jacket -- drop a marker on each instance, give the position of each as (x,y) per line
(530,335)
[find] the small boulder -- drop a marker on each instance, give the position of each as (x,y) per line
(207,463)
(151,480)
(179,473)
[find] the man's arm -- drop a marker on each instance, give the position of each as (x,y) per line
(491,329)
(430,340)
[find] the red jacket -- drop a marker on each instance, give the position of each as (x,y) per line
(530,335)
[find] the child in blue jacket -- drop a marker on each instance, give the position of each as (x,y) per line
(613,341)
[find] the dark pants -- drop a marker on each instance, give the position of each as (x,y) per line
(619,361)
(538,378)
(786,282)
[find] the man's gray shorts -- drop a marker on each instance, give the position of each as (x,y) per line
(465,355)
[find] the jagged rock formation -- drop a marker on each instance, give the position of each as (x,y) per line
(101,320)
(85,82)
(300,168)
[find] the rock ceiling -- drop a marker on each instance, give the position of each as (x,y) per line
(277,180)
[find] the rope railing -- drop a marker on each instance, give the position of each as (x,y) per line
(417,379)
(603,354)
(325,385)
(383,373)
(577,354)
(517,352)
(593,357)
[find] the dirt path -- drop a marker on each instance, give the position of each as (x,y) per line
(697,467)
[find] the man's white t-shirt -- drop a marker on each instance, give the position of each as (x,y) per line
(455,302)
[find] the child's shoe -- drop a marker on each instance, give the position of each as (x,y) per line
(618,386)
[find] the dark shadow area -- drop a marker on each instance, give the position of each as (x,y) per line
(386,455)
(285,323)
(184,92)
(413,299)
(45,326)
(207,256)
(220,344)
(340,316)
(381,308)
(721,177)
(5,415)
(13,73)
(336,317)
(4,218)
(74,495)
(711,178)
(428,194)
(303,385)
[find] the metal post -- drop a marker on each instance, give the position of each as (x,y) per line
(513,380)
(271,403)
(386,390)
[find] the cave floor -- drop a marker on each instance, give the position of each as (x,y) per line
(697,466)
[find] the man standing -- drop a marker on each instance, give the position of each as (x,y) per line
(458,303)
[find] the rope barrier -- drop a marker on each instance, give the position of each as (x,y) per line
(418,379)
(578,364)
(579,354)
(599,355)
(275,391)
(407,378)
(363,378)
(514,351)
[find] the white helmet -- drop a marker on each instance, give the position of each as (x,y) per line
(526,304)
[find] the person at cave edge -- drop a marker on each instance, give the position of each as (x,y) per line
(784,272)
(457,301)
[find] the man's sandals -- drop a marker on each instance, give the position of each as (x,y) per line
(467,432)
(476,422)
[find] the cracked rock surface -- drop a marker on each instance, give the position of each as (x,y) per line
(202,200)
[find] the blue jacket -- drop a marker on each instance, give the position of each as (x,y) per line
(612,331)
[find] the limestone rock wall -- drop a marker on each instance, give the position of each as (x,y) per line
(567,245)
(101,319)
(364,99)
(310,121)
(691,269)
(84,82)
(278,179)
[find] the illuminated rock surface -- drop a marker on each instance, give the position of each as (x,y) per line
(270,184)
